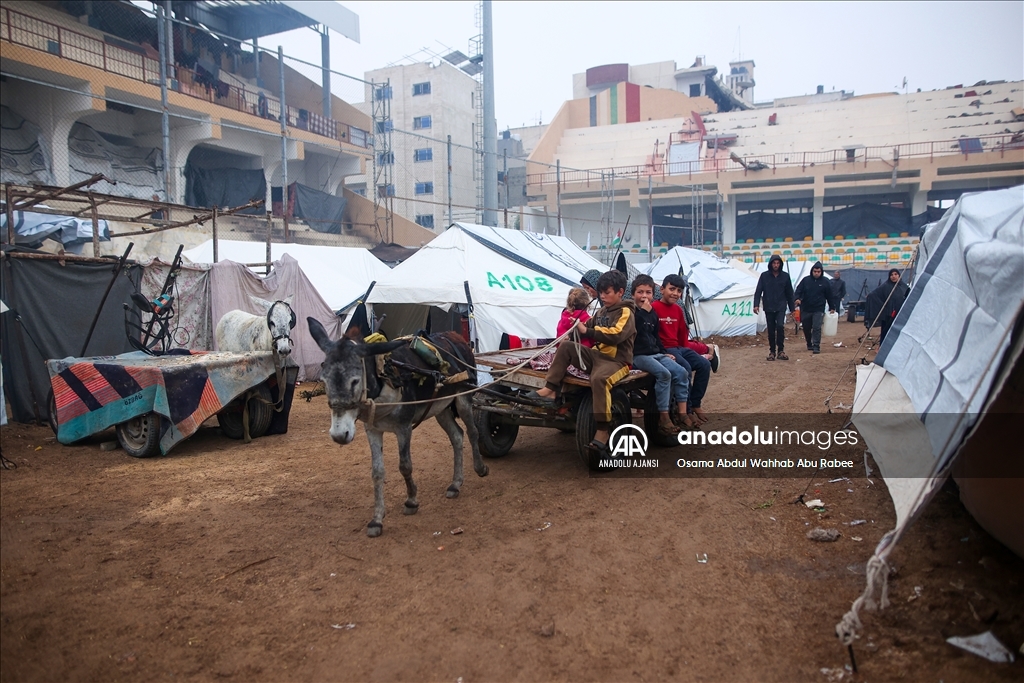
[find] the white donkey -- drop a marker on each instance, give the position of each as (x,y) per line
(243,332)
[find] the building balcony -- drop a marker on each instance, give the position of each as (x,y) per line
(140,62)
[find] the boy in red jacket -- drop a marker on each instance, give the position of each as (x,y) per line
(675,337)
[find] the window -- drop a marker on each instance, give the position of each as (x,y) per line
(382,93)
(385,126)
(424,188)
(426,220)
(695,90)
(421,88)
(385,190)
(423,154)
(421,122)
(385,158)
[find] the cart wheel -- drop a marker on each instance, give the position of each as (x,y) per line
(261,412)
(652,418)
(496,438)
(51,414)
(140,436)
(622,414)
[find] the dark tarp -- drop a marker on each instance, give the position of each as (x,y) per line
(322,211)
(762,225)
(852,222)
(224,187)
(56,304)
(672,225)
(860,282)
(392,254)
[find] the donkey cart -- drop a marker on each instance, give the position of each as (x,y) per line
(500,409)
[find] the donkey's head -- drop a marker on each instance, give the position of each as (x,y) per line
(347,366)
(280,322)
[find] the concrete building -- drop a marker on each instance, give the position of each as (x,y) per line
(428,102)
(92,82)
(829,175)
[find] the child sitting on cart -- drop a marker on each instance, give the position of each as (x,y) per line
(575,311)
(671,380)
(612,330)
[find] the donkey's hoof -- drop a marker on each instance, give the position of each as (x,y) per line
(452,492)
(374,529)
(483,471)
(410,508)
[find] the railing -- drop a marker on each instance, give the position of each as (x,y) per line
(131,61)
(838,158)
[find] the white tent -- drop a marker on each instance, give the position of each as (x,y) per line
(723,295)
(517,283)
(926,403)
(341,275)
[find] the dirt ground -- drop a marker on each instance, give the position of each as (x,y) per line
(251,563)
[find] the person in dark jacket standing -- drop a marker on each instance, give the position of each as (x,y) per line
(838,290)
(887,300)
(776,289)
(812,294)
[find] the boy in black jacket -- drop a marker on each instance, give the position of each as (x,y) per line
(813,292)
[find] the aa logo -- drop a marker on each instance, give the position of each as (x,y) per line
(628,441)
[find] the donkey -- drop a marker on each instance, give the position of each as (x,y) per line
(243,332)
(350,376)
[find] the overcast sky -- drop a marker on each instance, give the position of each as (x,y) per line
(863,47)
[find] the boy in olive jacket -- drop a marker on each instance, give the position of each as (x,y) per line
(612,329)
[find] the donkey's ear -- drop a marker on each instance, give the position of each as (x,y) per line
(381,347)
(261,304)
(319,334)
(354,334)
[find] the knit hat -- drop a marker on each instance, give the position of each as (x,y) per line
(590,278)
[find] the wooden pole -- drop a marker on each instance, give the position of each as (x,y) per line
(95,231)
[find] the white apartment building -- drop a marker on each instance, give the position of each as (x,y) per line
(428,102)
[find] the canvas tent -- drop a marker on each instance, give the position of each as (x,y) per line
(516,283)
(947,379)
(723,295)
(341,275)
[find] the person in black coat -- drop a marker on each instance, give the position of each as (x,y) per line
(838,290)
(812,294)
(775,290)
(885,302)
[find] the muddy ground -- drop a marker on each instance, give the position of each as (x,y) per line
(227,561)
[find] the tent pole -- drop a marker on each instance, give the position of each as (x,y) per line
(110,285)
(9,205)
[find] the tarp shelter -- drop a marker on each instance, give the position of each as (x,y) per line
(224,187)
(321,211)
(231,285)
(31,229)
(137,170)
(56,304)
(340,275)
(517,283)
(24,150)
(945,385)
(723,296)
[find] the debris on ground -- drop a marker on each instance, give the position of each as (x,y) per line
(548,630)
(916,595)
(545,525)
(702,560)
(816,503)
(823,535)
(858,521)
(456,531)
(344,627)
(109,446)
(984,645)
